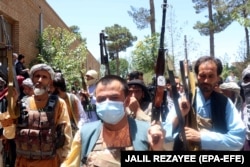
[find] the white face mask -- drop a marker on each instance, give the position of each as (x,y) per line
(91,82)
(110,112)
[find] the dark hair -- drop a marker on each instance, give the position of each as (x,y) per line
(168,81)
(109,78)
(134,75)
(208,58)
(20,57)
(59,82)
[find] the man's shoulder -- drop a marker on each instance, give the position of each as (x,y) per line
(91,125)
(138,123)
(219,95)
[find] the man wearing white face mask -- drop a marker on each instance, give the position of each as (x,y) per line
(90,108)
(99,143)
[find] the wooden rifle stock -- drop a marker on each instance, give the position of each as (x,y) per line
(12,79)
(188,80)
(159,72)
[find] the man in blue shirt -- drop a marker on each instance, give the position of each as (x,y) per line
(214,123)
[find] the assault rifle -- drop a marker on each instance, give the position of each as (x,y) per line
(159,72)
(188,81)
(184,69)
(11,74)
(104,53)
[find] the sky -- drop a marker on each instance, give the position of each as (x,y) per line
(92,16)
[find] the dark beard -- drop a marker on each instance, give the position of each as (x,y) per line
(206,88)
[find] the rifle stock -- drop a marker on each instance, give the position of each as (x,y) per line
(12,80)
(188,80)
(159,72)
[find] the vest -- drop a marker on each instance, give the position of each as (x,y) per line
(90,133)
(36,132)
(218,109)
(218,112)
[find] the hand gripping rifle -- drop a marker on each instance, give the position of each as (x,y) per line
(188,81)
(104,53)
(12,80)
(159,72)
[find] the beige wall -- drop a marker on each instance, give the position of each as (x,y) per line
(24,17)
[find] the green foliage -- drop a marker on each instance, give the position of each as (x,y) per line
(75,29)
(123,68)
(240,11)
(141,17)
(221,18)
(200,5)
(145,54)
(220,22)
(61,50)
(119,38)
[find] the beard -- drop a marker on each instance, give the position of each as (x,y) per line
(40,91)
(206,88)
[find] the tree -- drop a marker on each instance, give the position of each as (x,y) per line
(123,67)
(118,39)
(62,51)
(142,17)
(145,54)
(216,23)
(240,10)
(75,29)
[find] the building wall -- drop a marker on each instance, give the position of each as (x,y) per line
(24,17)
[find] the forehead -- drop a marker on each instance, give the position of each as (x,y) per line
(135,86)
(26,87)
(208,67)
(42,73)
(114,87)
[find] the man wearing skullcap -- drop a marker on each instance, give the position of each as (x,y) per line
(232,90)
(43,134)
(91,79)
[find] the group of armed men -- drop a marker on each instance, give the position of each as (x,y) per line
(91,127)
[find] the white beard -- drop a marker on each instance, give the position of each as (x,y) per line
(39,91)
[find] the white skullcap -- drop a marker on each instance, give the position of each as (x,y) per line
(232,86)
(27,82)
(92,73)
(44,67)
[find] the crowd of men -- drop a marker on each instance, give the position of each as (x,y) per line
(91,127)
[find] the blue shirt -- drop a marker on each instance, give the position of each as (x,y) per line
(233,140)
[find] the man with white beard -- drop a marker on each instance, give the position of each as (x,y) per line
(43,134)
